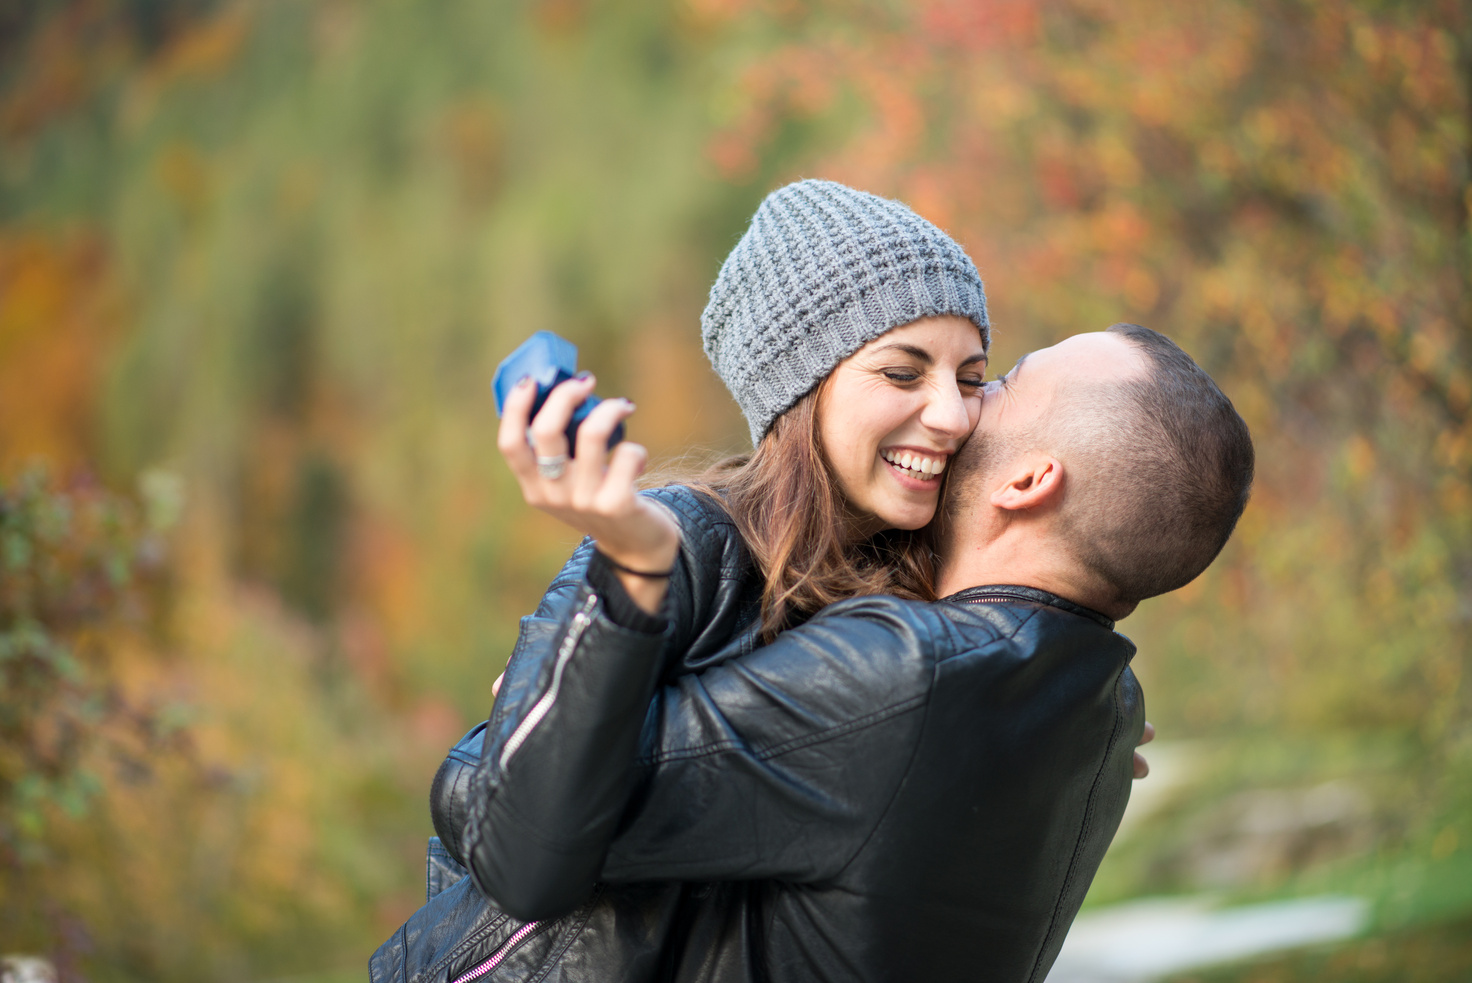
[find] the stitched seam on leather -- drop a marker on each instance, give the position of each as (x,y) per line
(842,729)
(581,620)
(1070,875)
(501,709)
(1001,633)
(904,774)
(1024,622)
(696,509)
(688,513)
(1035,613)
(474,939)
(555,957)
(687,510)
(707,528)
(470,833)
(566,578)
(689,520)
(530,831)
(694,517)
(483,779)
(763,754)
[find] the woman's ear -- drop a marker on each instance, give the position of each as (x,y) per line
(1036,480)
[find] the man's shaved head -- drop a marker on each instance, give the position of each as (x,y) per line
(1157,463)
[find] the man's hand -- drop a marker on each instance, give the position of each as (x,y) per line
(1142,767)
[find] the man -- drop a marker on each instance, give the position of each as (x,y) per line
(895,790)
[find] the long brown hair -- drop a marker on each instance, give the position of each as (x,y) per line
(786,502)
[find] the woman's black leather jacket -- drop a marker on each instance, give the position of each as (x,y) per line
(895,791)
(712,614)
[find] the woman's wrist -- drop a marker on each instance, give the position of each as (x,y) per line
(652,561)
(647,574)
(642,566)
(648,541)
(618,605)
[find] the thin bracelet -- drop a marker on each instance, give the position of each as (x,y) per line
(659,575)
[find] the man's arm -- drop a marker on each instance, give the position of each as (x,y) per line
(781,763)
(777,764)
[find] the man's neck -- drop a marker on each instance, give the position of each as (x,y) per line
(1016,557)
(1000,561)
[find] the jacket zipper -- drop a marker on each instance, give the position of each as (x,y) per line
(998,596)
(580,623)
(517,937)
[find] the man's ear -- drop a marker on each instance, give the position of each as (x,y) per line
(1036,480)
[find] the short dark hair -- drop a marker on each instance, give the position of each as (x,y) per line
(1166,474)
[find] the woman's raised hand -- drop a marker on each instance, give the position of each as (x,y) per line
(594,492)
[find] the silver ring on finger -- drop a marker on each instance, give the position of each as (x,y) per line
(553,467)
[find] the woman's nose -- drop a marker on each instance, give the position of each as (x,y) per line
(946,412)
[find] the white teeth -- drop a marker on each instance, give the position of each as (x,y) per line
(923,468)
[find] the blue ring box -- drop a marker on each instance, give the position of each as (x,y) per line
(548,360)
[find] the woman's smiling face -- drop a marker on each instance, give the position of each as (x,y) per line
(892,414)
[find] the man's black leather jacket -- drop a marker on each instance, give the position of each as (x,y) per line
(894,791)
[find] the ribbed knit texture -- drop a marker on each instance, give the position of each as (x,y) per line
(823,270)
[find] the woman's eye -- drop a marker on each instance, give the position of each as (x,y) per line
(899,375)
(970,383)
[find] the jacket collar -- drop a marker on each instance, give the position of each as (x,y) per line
(990,592)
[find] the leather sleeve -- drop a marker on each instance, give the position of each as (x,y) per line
(705,610)
(780,764)
(534,818)
(701,608)
(558,759)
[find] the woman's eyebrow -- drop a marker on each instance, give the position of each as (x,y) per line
(917,353)
(923,356)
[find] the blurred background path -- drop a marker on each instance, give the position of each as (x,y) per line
(1140,941)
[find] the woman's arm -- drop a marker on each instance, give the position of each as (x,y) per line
(558,759)
(710,603)
(703,603)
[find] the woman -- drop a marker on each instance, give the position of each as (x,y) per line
(854,335)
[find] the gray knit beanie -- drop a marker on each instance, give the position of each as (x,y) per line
(822,271)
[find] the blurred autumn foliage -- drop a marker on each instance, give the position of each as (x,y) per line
(258,261)
(1284,188)
(69,561)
